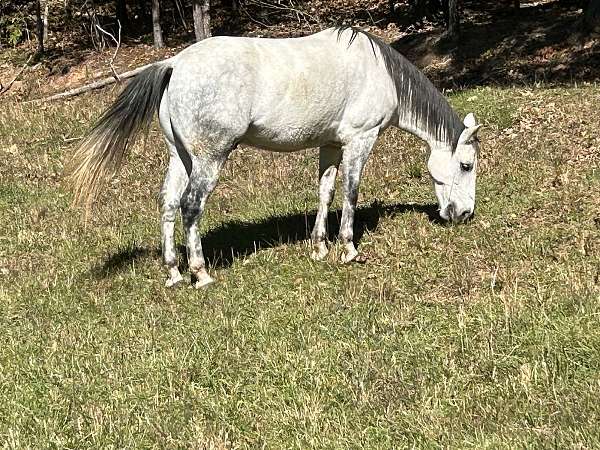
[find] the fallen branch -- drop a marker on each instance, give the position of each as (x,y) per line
(9,85)
(90,87)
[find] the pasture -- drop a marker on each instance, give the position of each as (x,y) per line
(480,335)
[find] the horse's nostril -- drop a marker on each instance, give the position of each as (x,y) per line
(450,210)
(464,216)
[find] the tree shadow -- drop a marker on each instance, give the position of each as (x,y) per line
(538,44)
(237,239)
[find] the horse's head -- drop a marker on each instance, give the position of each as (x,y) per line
(454,173)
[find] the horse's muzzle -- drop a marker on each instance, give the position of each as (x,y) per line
(452,214)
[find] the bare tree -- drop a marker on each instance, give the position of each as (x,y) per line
(453,20)
(46,23)
(157,31)
(201,19)
(39,29)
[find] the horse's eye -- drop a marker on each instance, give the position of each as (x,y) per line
(466,167)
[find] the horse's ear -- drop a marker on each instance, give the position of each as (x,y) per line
(470,120)
(469,133)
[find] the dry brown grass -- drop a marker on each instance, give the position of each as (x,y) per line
(483,335)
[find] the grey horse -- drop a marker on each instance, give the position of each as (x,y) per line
(338,90)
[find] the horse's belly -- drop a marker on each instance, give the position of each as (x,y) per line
(289,137)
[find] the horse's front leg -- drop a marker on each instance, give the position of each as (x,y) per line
(356,153)
(203,179)
(329,161)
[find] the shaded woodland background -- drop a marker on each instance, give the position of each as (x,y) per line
(51,45)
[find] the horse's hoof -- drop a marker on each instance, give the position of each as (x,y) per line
(173,281)
(319,252)
(202,280)
(349,256)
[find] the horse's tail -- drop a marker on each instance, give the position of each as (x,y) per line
(102,150)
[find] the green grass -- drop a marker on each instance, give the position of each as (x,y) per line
(482,335)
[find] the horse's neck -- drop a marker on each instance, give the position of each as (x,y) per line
(408,124)
(423,111)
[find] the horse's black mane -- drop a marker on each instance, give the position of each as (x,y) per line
(416,93)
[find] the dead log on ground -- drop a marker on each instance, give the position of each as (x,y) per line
(92,86)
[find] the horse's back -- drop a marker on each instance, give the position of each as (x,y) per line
(287,93)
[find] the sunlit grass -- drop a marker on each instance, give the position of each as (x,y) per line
(482,335)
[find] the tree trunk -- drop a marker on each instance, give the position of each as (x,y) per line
(202,19)
(158,38)
(39,29)
(46,23)
(453,19)
(122,15)
(591,18)
(391,5)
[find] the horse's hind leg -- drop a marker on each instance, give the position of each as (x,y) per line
(203,179)
(175,183)
(329,161)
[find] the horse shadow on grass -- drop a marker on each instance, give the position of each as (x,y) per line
(237,239)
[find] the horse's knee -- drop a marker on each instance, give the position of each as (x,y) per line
(169,212)
(352,195)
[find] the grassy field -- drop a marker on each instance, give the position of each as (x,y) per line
(481,335)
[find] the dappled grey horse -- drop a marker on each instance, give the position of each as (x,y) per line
(338,90)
